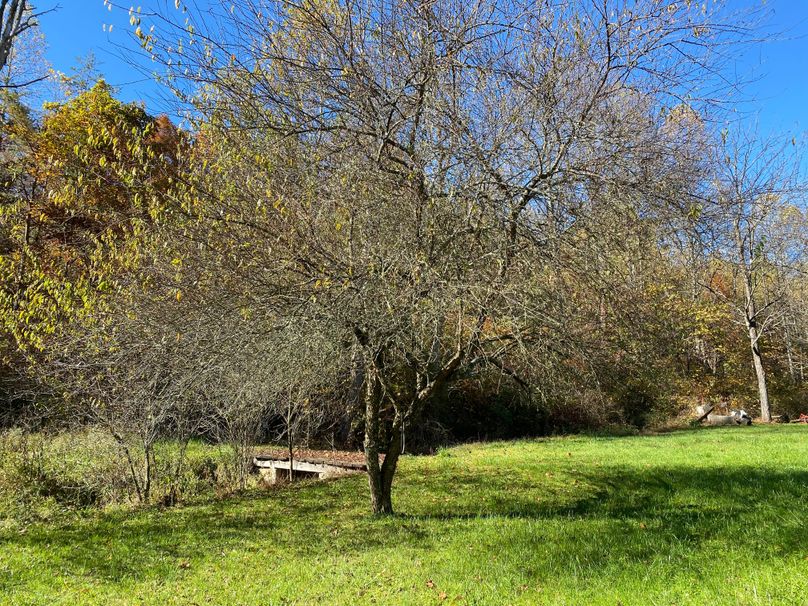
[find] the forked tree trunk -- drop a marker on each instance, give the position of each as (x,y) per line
(381,479)
(380,475)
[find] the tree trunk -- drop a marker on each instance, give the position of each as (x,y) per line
(290,440)
(133,473)
(147,471)
(792,370)
(378,502)
(380,476)
(757,360)
(10,28)
(388,470)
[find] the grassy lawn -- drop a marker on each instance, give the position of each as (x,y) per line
(694,517)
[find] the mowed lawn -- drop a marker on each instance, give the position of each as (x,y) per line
(713,516)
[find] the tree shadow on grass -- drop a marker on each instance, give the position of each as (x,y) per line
(635,514)
(306,520)
(748,508)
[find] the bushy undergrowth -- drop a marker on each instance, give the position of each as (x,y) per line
(40,474)
(48,476)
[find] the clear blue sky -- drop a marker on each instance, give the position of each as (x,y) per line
(80,27)
(779,96)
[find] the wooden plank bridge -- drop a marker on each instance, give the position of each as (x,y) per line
(322,464)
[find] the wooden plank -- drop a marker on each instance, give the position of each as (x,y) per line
(307,466)
(260,460)
(343,458)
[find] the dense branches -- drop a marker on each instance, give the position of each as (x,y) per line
(385,211)
(410,174)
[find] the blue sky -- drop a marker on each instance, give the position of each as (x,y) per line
(80,27)
(778,97)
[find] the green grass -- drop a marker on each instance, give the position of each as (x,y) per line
(693,517)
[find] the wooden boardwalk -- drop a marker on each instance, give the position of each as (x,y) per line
(324,464)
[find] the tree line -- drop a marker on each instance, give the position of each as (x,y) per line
(382,219)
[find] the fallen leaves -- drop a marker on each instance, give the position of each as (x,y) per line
(443,595)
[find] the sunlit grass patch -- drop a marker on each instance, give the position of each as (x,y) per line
(696,517)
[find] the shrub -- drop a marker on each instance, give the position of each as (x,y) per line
(42,475)
(47,475)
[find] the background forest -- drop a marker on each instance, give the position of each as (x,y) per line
(392,226)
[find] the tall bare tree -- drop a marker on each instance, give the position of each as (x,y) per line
(11,25)
(757,181)
(17,17)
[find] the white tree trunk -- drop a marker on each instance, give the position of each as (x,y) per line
(760,373)
(754,342)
